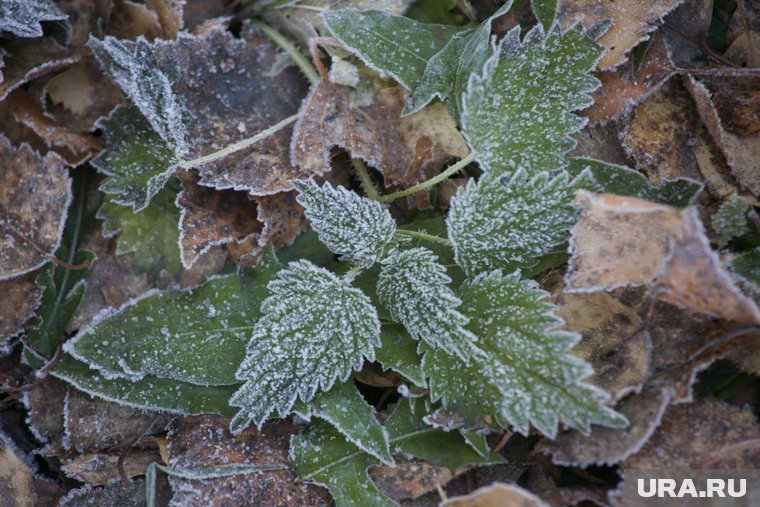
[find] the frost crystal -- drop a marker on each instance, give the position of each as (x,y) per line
(315,329)
(23,18)
(509,222)
(519,112)
(133,67)
(354,227)
(522,373)
(414,288)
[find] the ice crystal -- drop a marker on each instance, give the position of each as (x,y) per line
(24,18)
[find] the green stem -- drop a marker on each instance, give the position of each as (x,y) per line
(432,181)
(352,273)
(366,180)
(423,236)
(286,45)
(240,145)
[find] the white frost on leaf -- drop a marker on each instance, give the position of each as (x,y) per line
(521,372)
(413,285)
(518,112)
(133,68)
(351,226)
(510,221)
(23,18)
(315,329)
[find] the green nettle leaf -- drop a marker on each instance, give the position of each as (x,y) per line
(133,68)
(508,222)
(392,45)
(414,288)
(518,111)
(149,392)
(315,329)
(345,408)
(205,346)
(323,456)
(151,234)
(523,373)
(398,352)
(730,221)
(135,158)
(748,265)
(621,180)
(24,18)
(353,227)
(545,11)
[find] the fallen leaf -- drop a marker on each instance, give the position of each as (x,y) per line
(620,241)
(204,441)
(19,484)
(703,434)
(20,298)
(685,30)
(744,35)
(406,481)
(33,203)
(631,23)
(25,18)
(496,495)
(44,404)
(131,19)
(367,122)
(98,469)
(730,107)
(114,493)
(622,88)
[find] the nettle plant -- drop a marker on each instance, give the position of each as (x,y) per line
(448,305)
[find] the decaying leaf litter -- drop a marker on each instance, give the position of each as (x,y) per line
(371,253)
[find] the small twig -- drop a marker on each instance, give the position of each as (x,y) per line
(366,179)
(723,339)
(314,44)
(130,444)
(432,181)
(292,51)
(423,236)
(384,398)
(502,442)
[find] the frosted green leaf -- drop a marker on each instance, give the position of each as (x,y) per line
(621,180)
(447,73)
(509,222)
(518,109)
(353,227)
(414,287)
(149,392)
(392,45)
(748,265)
(137,161)
(133,67)
(205,346)
(315,329)
(345,408)
(151,234)
(398,352)
(23,18)
(545,11)
(323,456)
(522,373)
(730,221)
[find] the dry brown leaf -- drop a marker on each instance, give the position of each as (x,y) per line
(631,22)
(730,107)
(20,298)
(115,493)
(367,122)
(613,340)
(405,481)
(704,434)
(94,425)
(662,134)
(496,495)
(621,241)
(213,217)
(19,486)
(205,441)
(131,19)
(230,94)
(282,217)
(621,90)
(606,446)
(98,469)
(35,193)
(744,35)
(685,30)
(169,14)
(602,142)
(44,404)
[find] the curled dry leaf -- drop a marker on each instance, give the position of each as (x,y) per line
(35,193)
(367,122)
(730,107)
(631,23)
(20,298)
(621,241)
(496,495)
(622,89)
(206,441)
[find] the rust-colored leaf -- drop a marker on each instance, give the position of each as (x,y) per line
(496,495)
(20,298)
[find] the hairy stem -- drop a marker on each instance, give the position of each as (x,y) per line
(240,145)
(432,181)
(292,51)
(423,236)
(364,177)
